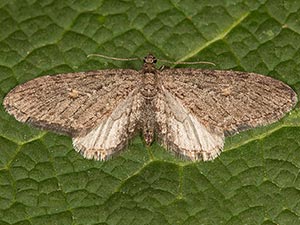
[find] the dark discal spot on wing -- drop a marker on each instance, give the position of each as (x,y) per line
(73,102)
(74,93)
(233,101)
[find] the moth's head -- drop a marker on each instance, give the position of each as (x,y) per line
(150,59)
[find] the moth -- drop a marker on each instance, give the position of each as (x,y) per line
(189,111)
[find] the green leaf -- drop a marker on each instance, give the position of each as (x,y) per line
(44,181)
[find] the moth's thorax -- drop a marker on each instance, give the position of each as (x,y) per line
(149,68)
(149,83)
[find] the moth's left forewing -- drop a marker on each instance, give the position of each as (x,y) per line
(98,109)
(71,103)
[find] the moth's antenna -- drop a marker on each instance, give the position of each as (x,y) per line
(187,63)
(161,60)
(113,58)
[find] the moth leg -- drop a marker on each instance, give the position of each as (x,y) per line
(163,67)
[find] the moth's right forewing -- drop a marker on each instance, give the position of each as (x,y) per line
(70,103)
(230,100)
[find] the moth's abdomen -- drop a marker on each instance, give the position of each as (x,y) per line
(148,121)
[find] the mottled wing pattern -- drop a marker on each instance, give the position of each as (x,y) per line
(195,108)
(70,103)
(229,100)
(77,104)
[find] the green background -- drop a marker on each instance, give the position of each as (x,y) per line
(44,181)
